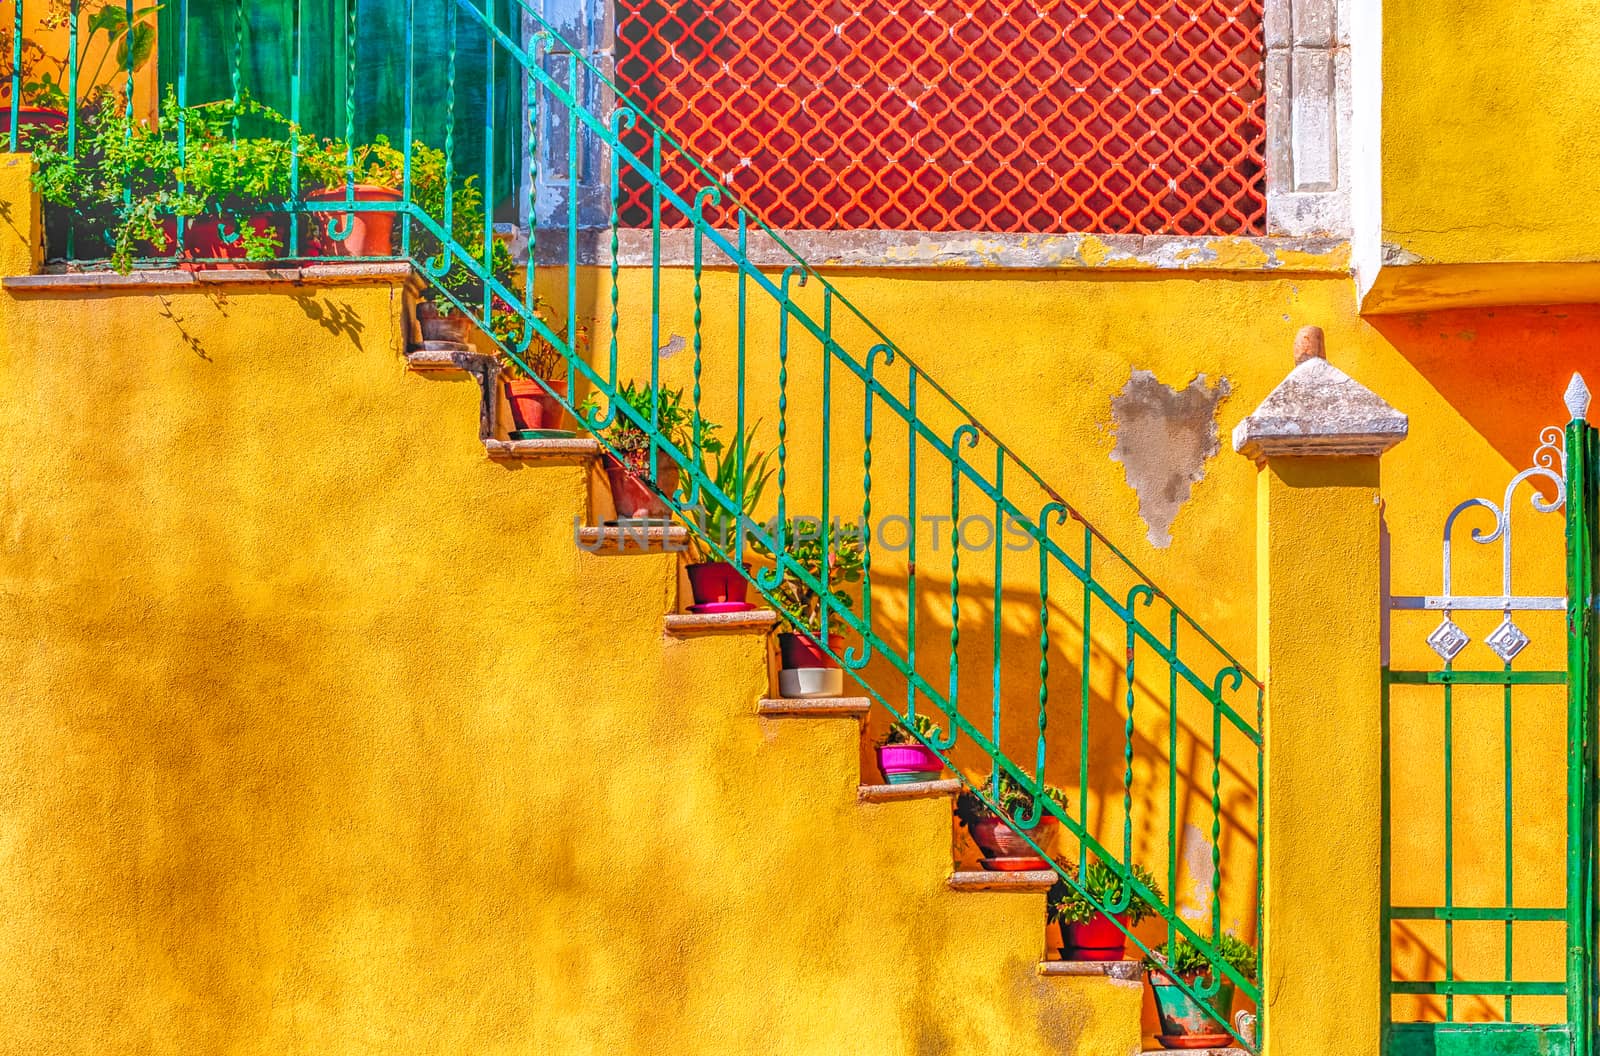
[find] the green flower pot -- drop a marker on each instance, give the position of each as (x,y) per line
(1185,1022)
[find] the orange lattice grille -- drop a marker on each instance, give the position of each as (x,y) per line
(1141,116)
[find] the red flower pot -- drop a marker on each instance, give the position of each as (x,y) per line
(1096,939)
(531,406)
(1005,851)
(204,245)
(904,764)
(371,234)
(632,494)
(46,117)
(798,651)
(718,583)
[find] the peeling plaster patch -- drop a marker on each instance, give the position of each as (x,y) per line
(1196,903)
(675,344)
(1164,438)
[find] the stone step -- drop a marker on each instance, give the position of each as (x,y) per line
(1023,882)
(657,539)
(565,450)
(816,708)
(694,624)
(914,790)
(1128,971)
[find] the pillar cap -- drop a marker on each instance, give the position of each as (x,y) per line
(1319,411)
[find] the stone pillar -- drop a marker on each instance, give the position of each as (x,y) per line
(21,238)
(1317,439)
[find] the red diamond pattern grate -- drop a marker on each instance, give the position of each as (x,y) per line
(1112,116)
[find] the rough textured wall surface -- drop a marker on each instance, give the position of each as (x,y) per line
(324,737)
(1165,436)
(1481,160)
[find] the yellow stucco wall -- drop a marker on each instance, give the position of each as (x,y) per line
(322,723)
(324,737)
(1483,149)
(1483,154)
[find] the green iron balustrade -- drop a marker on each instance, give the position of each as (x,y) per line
(797,341)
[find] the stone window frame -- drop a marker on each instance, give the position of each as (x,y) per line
(1307,81)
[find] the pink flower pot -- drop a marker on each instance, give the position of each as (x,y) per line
(904,764)
(718,583)
(1005,851)
(371,234)
(634,497)
(798,651)
(1097,939)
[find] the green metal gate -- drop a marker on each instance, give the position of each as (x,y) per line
(1488,934)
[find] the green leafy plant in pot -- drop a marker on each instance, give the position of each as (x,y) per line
(535,398)
(1185,1022)
(1087,933)
(904,757)
(742,475)
(636,494)
(335,171)
(438,315)
(1003,848)
(123,181)
(833,555)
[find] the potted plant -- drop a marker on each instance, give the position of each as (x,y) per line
(1185,1022)
(231,179)
(42,102)
(635,493)
(1087,934)
(716,584)
(1003,848)
(124,179)
(536,406)
(337,172)
(903,757)
(438,316)
(806,670)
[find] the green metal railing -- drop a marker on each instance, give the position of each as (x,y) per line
(994,641)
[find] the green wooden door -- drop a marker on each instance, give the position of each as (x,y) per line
(394,40)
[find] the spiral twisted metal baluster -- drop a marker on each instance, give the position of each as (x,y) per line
(1144,594)
(1059,511)
(855,659)
(964,435)
(769,578)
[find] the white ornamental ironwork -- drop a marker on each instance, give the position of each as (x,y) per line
(1506,640)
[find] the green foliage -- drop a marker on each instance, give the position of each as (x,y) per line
(899,733)
(722,526)
(45,72)
(1015,799)
(126,173)
(813,545)
(1179,957)
(542,357)
(1069,906)
(673,420)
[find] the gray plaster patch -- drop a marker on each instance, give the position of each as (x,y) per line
(1164,438)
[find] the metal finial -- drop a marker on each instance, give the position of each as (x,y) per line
(1577,397)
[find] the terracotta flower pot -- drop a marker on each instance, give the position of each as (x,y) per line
(47,118)
(798,651)
(718,583)
(454,327)
(205,247)
(1005,851)
(1185,1022)
(531,406)
(632,494)
(904,764)
(371,234)
(1096,939)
